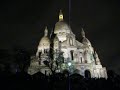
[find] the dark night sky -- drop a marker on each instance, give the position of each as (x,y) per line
(22,23)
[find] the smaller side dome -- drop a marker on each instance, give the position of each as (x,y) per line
(45,41)
(85,41)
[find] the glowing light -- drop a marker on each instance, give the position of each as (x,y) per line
(69,64)
(60,16)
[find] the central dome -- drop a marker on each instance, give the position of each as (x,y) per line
(61,26)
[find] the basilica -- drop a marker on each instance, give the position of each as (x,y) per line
(60,51)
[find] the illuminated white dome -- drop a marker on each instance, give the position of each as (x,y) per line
(45,41)
(85,41)
(61,26)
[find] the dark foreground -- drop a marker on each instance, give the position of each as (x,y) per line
(38,81)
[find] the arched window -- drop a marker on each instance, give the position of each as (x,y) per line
(81,59)
(72,56)
(71,41)
(44,50)
(39,54)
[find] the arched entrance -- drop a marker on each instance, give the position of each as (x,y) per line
(87,74)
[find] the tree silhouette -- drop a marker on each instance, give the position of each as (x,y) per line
(54,65)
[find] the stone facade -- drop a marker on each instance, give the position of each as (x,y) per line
(71,55)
